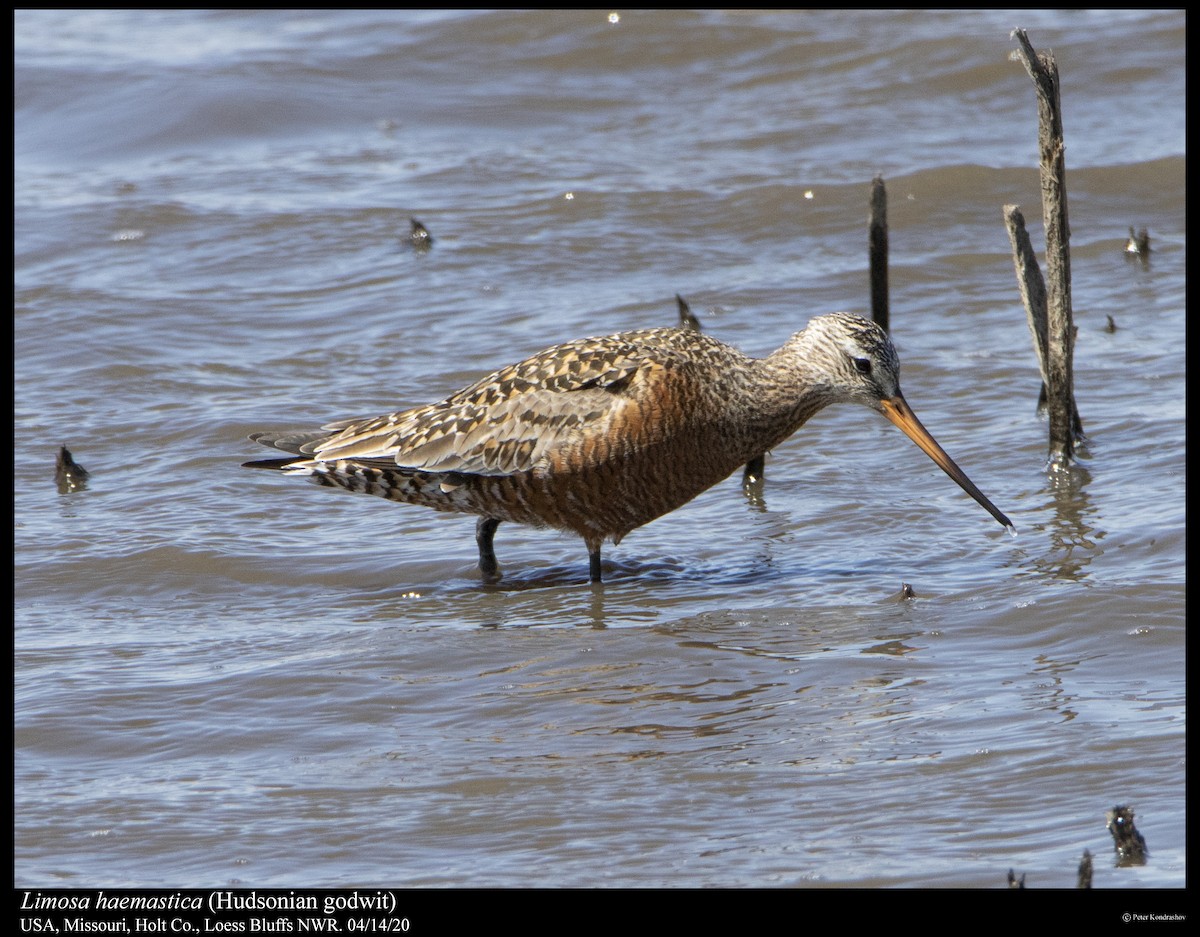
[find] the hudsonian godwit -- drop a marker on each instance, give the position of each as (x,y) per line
(602,435)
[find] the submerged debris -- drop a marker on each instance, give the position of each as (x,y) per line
(1129,843)
(420,237)
(68,474)
(1138,244)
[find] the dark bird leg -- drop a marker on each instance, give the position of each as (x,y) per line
(754,470)
(593,548)
(485,530)
(752,482)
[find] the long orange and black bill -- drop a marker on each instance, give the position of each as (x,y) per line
(898,411)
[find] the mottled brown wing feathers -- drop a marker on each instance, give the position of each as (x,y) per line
(510,420)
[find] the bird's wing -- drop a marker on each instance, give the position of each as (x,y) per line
(510,420)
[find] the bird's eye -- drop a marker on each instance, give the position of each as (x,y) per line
(862,365)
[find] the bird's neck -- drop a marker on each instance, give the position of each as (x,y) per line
(781,393)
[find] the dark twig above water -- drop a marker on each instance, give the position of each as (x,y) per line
(687,319)
(877,238)
(1084,879)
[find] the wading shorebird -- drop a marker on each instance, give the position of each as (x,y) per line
(602,435)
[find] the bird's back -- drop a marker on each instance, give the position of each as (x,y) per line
(597,436)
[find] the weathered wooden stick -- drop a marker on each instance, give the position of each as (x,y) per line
(1030,283)
(878,250)
(1033,296)
(1060,334)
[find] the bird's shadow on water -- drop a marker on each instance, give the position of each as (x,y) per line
(662,571)
(634,593)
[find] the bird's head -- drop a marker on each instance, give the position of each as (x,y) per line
(848,359)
